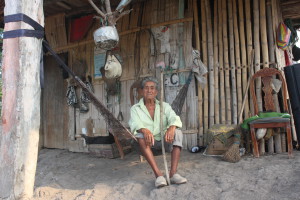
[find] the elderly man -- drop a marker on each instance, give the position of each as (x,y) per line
(145,125)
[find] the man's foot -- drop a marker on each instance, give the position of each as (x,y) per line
(160,182)
(177,179)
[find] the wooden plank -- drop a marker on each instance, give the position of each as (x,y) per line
(54,106)
(21,104)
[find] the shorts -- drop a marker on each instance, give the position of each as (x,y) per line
(168,147)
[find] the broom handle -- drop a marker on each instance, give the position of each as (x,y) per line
(161,124)
(247,88)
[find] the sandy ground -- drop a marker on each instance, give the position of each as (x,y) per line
(65,175)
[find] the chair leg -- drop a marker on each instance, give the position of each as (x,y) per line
(289,140)
(254,142)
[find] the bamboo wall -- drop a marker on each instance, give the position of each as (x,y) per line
(225,32)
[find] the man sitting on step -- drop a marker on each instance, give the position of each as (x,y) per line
(145,125)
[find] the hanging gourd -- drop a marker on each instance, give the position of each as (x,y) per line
(106,37)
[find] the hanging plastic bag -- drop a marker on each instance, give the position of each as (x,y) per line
(113,68)
(283,36)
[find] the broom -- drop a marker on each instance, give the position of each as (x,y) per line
(233,152)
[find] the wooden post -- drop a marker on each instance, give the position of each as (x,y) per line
(200,101)
(210,65)
(21,104)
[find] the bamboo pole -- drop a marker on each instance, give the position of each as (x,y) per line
(263,31)
(237,58)
(271,49)
(216,64)
(249,40)
(257,52)
(226,64)
(210,65)
(200,101)
(204,55)
(221,65)
(243,54)
(256,17)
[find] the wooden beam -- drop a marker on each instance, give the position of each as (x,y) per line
(77,44)
(21,105)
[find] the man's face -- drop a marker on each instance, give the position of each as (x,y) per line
(149,91)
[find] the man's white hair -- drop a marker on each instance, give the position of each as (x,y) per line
(150,79)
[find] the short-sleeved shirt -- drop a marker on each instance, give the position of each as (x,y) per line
(140,118)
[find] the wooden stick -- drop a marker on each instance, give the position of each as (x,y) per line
(161,125)
(263,31)
(221,65)
(204,55)
(216,64)
(200,101)
(226,64)
(210,65)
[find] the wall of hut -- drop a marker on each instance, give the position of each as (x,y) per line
(225,32)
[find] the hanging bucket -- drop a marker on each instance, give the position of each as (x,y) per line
(106,37)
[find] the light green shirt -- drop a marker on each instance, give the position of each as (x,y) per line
(140,118)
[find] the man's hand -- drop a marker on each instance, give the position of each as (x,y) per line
(148,136)
(169,136)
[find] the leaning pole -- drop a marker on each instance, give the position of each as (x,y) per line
(21,103)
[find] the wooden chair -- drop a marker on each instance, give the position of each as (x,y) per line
(266,78)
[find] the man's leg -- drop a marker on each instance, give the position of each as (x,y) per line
(147,153)
(175,155)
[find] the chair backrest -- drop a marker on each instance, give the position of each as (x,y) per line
(266,76)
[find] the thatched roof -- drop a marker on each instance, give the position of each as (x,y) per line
(291,9)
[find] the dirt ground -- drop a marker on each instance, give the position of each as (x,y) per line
(65,175)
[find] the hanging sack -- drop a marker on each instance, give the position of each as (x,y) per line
(113,68)
(283,36)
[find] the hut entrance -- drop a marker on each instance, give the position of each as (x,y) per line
(55,114)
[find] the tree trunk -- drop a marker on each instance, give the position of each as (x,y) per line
(21,104)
